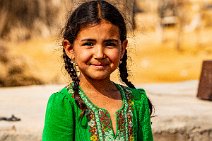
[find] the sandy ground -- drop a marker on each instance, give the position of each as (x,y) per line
(179,115)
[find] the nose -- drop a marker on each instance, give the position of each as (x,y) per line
(99,52)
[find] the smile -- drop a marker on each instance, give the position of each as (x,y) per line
(99,66)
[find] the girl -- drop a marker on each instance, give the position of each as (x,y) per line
(93,107)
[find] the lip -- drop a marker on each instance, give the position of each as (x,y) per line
(99,66)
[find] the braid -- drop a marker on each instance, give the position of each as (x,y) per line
(69,66)
(124,74)
(123,71)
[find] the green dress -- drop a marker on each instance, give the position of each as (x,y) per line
(63,121)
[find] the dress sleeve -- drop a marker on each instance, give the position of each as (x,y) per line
(59,122)
(144,123)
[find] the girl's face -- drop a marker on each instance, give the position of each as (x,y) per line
(97,50)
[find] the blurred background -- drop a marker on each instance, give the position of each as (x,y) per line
(168,40)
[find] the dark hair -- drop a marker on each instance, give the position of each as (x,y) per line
(91,13)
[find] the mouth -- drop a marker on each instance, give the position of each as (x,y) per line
(99,66)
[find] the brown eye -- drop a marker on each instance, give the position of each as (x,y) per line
(110,44)
(87,44)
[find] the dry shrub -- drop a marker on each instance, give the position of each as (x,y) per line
(13,70)
(22,19)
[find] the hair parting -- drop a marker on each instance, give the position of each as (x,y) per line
(99,9)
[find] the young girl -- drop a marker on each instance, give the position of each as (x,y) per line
(93,107)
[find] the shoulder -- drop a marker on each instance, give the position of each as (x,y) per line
(136,94)
(139,99)
(60,99)
(64,93)
(59,117)
(139,94)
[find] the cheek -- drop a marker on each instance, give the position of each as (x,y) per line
(114,55)
(82,56)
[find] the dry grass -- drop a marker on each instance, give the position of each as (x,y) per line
(158,62)
(43,57)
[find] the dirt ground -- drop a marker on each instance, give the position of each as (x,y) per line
(179,115)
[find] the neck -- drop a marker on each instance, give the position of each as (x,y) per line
(97,86)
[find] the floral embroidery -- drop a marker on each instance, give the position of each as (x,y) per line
(105,121)
(93,138)
(130,114)
(100,125)
(131,138)
(93,128)
(91,123)
(109,136)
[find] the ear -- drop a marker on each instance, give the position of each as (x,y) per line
(123,47)
(68,47)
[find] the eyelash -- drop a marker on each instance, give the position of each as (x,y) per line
(88,44)
(110,44)
(107,44)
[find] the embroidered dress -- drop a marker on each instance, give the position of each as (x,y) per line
(63,121)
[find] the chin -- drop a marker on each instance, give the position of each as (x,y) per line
(99,77)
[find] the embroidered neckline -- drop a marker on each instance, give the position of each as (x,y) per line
(102,112)
(100,123)
(92,106)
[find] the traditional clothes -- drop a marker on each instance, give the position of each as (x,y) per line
(63,121)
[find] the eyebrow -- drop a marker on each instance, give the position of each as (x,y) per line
(107,40)
(92,40)
(111,40)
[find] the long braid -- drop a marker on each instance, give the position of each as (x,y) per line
(69,66)
(123,71)
(124,77)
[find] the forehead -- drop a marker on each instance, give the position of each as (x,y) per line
(103,29)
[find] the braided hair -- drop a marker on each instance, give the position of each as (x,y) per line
(90,13)
(70,68)
(124,77)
